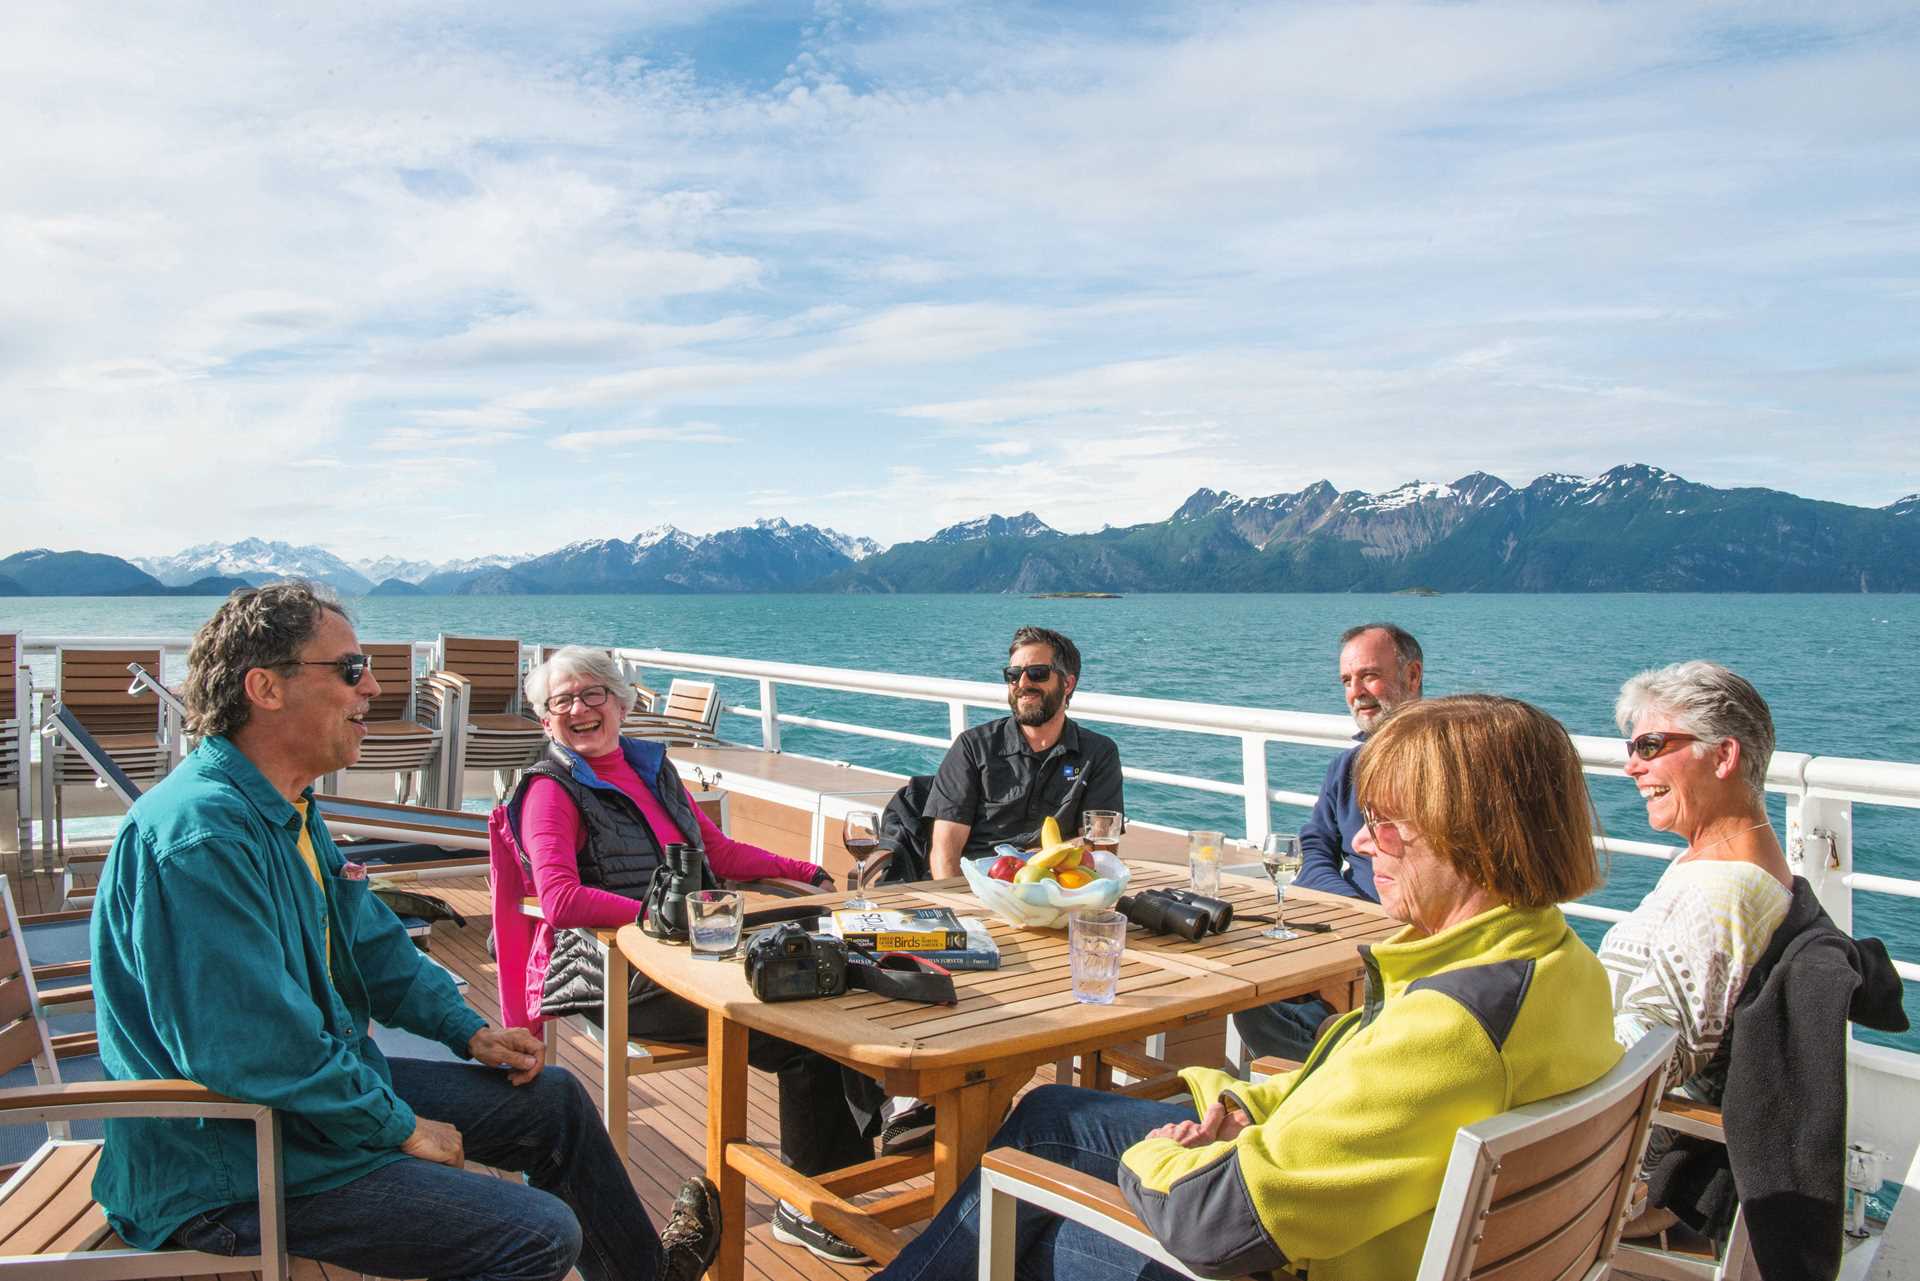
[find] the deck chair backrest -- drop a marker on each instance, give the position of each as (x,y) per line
(1538,1193)
(23,1032)
(490,664)
(92,684)
(79,741)
(9,673)
(695,701)
(393,669)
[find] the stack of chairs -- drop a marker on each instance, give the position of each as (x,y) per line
(134,731)
(16,756)
(498,735)
(689,716)
(409,733)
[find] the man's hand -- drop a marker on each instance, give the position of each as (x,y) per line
(513,1048)
(435,1141)
(1218,1126)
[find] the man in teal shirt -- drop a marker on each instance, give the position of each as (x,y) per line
(232,946)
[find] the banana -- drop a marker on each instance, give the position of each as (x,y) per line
(1050,832)
(1053,856)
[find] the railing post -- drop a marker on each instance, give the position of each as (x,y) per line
(1820,848)
(769,715)
(956,718)
(1253,778)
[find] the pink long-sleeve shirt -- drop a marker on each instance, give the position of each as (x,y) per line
(552,833)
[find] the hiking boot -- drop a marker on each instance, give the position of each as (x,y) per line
(794,1228)
(908,1132)
(691,1238)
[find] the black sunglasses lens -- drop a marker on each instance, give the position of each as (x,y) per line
(1038,673)
(353,667)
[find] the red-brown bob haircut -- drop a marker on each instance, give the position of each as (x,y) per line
(1494,785)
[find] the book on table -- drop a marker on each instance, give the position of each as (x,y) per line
(980,953)
(920,929)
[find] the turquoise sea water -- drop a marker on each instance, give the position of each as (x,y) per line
(1839,672)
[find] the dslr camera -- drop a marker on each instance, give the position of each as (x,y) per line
(786,963)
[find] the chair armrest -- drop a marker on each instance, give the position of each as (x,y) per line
(777,887)
(1271,1065)
(1063,1181)
(1690,1116)
(114,1094)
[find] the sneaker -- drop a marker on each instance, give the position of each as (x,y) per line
(794,1228)
(691,1238)
(908,1132)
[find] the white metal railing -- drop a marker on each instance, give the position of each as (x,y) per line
(1820,792)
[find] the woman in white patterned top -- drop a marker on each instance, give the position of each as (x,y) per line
(1699,739)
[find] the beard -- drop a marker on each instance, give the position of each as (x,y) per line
(1037,711)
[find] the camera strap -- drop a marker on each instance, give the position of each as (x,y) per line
(900,976)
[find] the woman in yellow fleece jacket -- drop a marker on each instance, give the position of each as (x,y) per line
(1478,824)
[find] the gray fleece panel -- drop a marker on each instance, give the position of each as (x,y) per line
(1492,993)
(1207,1221)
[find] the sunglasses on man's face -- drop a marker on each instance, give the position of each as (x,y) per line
(1038,673)
(1656,743)
(352,667)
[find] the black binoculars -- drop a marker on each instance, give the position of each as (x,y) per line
(1184,913)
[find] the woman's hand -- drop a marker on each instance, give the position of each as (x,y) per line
(1219,1125)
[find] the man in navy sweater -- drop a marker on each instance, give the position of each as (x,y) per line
(1380,668)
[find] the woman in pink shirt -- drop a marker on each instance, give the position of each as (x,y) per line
(591,818)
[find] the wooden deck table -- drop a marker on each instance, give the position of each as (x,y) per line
(968,1060)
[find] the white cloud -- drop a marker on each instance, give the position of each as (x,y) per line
(586,442)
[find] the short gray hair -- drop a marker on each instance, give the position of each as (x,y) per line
(596,665)
(1710,702)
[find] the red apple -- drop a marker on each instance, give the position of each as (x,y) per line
(1005,866)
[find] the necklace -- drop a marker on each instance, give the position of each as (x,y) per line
(1694,852)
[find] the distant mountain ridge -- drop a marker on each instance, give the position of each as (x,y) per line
(1633,528)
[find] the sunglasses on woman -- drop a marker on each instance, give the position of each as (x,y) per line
(352,667)
(1038,673)
(1376,826)
(1656,743)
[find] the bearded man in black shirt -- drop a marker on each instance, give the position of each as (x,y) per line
(1000,780)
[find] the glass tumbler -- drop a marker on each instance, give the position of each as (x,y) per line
(1203,862)
(1096,941)
(715,917)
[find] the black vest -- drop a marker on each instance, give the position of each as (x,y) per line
(618,855)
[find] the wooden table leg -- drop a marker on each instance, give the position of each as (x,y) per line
(964,1121)
(727,1124)
(613,1059)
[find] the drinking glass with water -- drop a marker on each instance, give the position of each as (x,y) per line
(1203,862)
(1096,941)
(1280,855)
(714,918)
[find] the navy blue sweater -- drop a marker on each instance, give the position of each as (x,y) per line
(1326,838)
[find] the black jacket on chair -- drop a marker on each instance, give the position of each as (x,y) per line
(908,832)
(1785,1108)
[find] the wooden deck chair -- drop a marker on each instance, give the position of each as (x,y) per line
(1736,1261)
(50,1226)
(498,735)
(406,734)
(1534,1194)
(16,755)
(131,729)
(688,716)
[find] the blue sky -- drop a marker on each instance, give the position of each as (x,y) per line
(443,280)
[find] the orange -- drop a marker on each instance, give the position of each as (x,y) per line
(1074,877)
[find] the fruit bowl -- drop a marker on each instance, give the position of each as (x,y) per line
(1044,904)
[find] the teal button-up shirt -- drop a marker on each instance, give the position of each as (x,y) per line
(210,963)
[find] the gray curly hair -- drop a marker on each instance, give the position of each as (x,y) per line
(596,665)
(254,627)
(1710,702)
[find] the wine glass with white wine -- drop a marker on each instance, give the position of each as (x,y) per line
(1280,855)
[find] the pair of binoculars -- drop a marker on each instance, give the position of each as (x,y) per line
(1183,913)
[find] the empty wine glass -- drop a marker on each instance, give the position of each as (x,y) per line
(861,836)
(1280,855)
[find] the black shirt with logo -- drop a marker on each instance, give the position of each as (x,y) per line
(1001,788)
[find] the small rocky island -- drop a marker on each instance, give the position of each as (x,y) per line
(1074,596)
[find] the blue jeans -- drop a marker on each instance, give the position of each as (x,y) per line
(418,1219)
(1085,1129)
(1286,1028)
